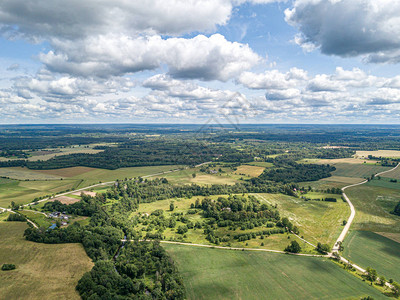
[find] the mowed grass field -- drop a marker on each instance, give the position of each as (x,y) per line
(318,221)
(252,171)
(43,271)
(357,170)
(22,192)
(26,174)
(227,274)
(378,153)
(367,248)
(185,177)
(373,205)
(395,174)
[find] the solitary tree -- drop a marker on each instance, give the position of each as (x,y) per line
(372,274)
(294,247)
(171,206)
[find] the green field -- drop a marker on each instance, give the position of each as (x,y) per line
(25,191)
(185,177)
(182,205)
(393,174)
(367,248)
(318,221)
(96,175)
(38,218)
(357,170)
(26,174)
(43,271)
(261,164)
(373,205)
(384,182)
(226,274)
(22,192)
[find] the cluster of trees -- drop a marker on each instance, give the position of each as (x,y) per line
(293,247)
(86,207)
(248,236)
(142,191)
(143,152)
(294,172)
(136,271)
(16,217)
(322,248)
(396,210)
(127,276)
(13,153)
(238,209)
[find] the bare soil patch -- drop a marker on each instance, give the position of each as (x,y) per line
(92,194)
(65,200)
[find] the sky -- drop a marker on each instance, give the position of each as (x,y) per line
(196,61)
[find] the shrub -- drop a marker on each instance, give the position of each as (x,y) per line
(7,267)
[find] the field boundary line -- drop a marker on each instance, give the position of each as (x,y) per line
(232,248)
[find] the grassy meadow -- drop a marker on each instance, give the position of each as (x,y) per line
(22,192)
(318,221)
(182,205)
(373,205)
(43,271)
(369,249)
(378,153)
(357,170)
(227,274)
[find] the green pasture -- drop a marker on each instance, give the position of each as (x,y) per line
(228,274)
(369,249)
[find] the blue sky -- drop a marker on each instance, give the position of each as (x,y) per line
(179,61)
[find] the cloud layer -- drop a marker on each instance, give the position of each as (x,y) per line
(349,27)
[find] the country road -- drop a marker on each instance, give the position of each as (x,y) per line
(350,221)
(100,184)
(353,211)
(234,248)
(89,187)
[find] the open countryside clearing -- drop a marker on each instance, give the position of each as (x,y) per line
(367,248)
(227,274)
(43,271)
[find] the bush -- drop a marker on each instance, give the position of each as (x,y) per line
(7,267)
(16,218)
(294,247)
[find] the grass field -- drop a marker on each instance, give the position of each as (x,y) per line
(261,164)
(357,171)
(185,177)
(227,274)
(390,235)
(182,205)
(393,174)
(373,205)
(67,172)
(26,174)
(318,221)
(384,182)
(252,171)
(367,248)
(378,153)
(40,219)
(43,271)
(349,160)
(25,191)
(342,179)
(96,175)
(22,192)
